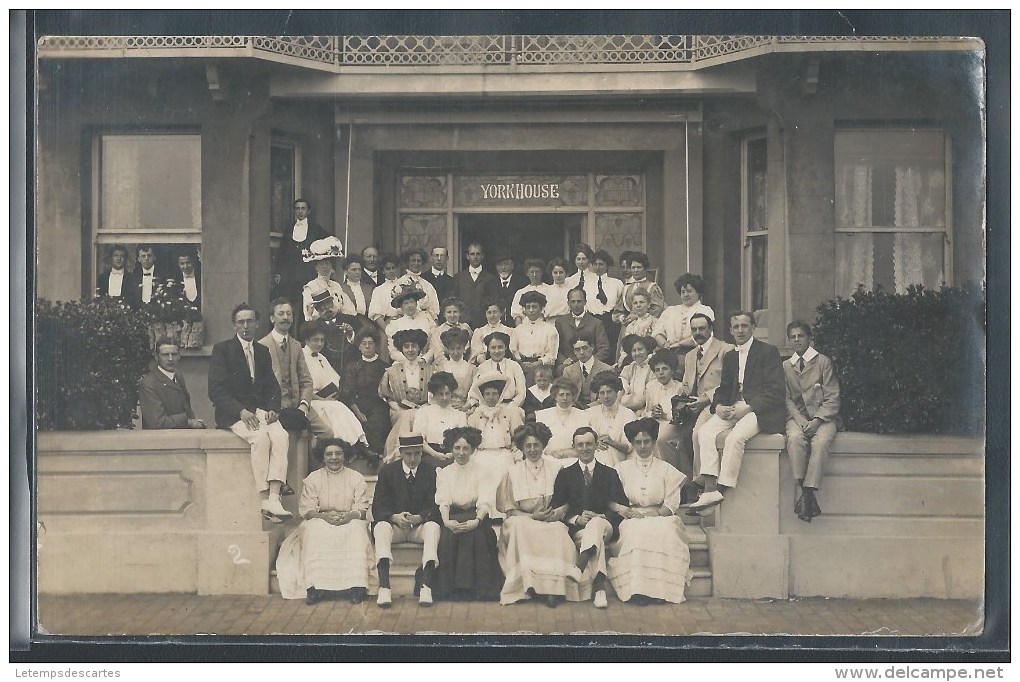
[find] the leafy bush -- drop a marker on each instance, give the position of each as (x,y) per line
(908,363)
(89,358)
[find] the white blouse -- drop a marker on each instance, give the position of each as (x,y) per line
(463,486)
(562,426)
(322,372)
(432,420)
(651,483)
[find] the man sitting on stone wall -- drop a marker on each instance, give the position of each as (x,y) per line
(163,394)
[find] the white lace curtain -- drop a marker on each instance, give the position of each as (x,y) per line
(918,207)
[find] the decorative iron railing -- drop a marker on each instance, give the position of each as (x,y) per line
(348,51)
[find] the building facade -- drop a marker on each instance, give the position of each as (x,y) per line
(785,170)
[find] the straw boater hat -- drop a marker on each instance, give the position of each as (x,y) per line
(487,378)
(405,292)
(411,440)
(318,291)
(321,249)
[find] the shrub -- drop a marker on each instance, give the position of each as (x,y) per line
(908,363)
(89,358)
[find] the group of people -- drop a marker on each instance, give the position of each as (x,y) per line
(136,287)
(581,415)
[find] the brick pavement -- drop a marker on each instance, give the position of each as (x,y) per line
(182,614)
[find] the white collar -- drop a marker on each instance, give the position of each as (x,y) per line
(407,470)
(590,466)
(438,273)
(746,347)
(149,271)
(505,281)
(708,344)
(303,221)
(169,375)
(809,354)
(371,359)
(191,276)
(370,272)
(278,337)
(473,270)
(578,317)
(588,365)
(243,342)
(119,273)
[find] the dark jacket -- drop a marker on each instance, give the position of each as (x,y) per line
(589,323)
(130,290)
(506,296)
(569,489)
(764,385)
(231,388)
(393,494)
(443,284)
(473,293)
(165,404)
(291,269)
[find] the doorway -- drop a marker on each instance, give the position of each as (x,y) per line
(519,235)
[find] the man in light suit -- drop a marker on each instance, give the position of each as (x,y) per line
(586,366)
(163,393)
(583,493)
(579,321)
(702,374)
(295,380)
(246,395)
(812,409)
(751,399)
(353,281)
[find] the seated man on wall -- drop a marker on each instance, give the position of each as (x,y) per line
(246,395)
(404,508)
(812,410)
(751,399)
(163,394)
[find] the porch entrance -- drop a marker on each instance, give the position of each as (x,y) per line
(520,235)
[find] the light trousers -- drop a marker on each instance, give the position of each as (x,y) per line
(269,443)
(808,455)
(726,469)
(427,534)
(594,534)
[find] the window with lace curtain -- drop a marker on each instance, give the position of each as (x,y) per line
(892,209)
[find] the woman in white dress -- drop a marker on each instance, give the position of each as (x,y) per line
(535,550)
(497,421)
(563,420)
(650,562)
(608,417)
(493,309)
(468,558)
(643,324)
(339,418)
(637,373)
(676,319)
(432,420)
(556,293)
(534,269)
(331,550)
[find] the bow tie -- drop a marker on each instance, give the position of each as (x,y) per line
(314,354)
(146,274)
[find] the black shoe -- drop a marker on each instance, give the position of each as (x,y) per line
(811,508)
(286,489)
(314,596)
(551,601)
(798,506)
(417,581)
(358,595)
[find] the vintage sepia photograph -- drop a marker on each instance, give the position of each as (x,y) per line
(508,333)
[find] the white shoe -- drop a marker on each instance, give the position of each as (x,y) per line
(425,596)
(600,601)
(707,500)
(273,506)
(574,574)
(385,598)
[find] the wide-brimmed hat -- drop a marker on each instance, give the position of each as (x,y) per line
(405,292)
(487,378)
(318,291)
(321,249)
(417,336)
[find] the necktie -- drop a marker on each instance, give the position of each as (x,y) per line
(506,283)
(251,359)
(580,280)
(283,346)
(498,369)
(601,296)
(146,274)
(800,365)
(584,371)
(577,322)
(697,370)
(410,477)
(587,476)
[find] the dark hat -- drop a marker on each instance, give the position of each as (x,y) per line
(417,336)
(292,419)
(405,292)
(491,379)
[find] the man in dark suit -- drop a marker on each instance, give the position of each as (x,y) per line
(291,272)
(474,285)
(405,510)
(751,399)
(246,395)
(147,276)
(579,321)
(588,488)
(163,394)
(585,367)
(509,284)
(117,282)
(372,266)
(437,276)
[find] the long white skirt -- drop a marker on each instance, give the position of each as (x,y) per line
(650,558)
(324,556)
(536,555)
(495,464)
(340,420)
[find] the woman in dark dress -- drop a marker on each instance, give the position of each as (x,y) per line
(360,389)
(468,556)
